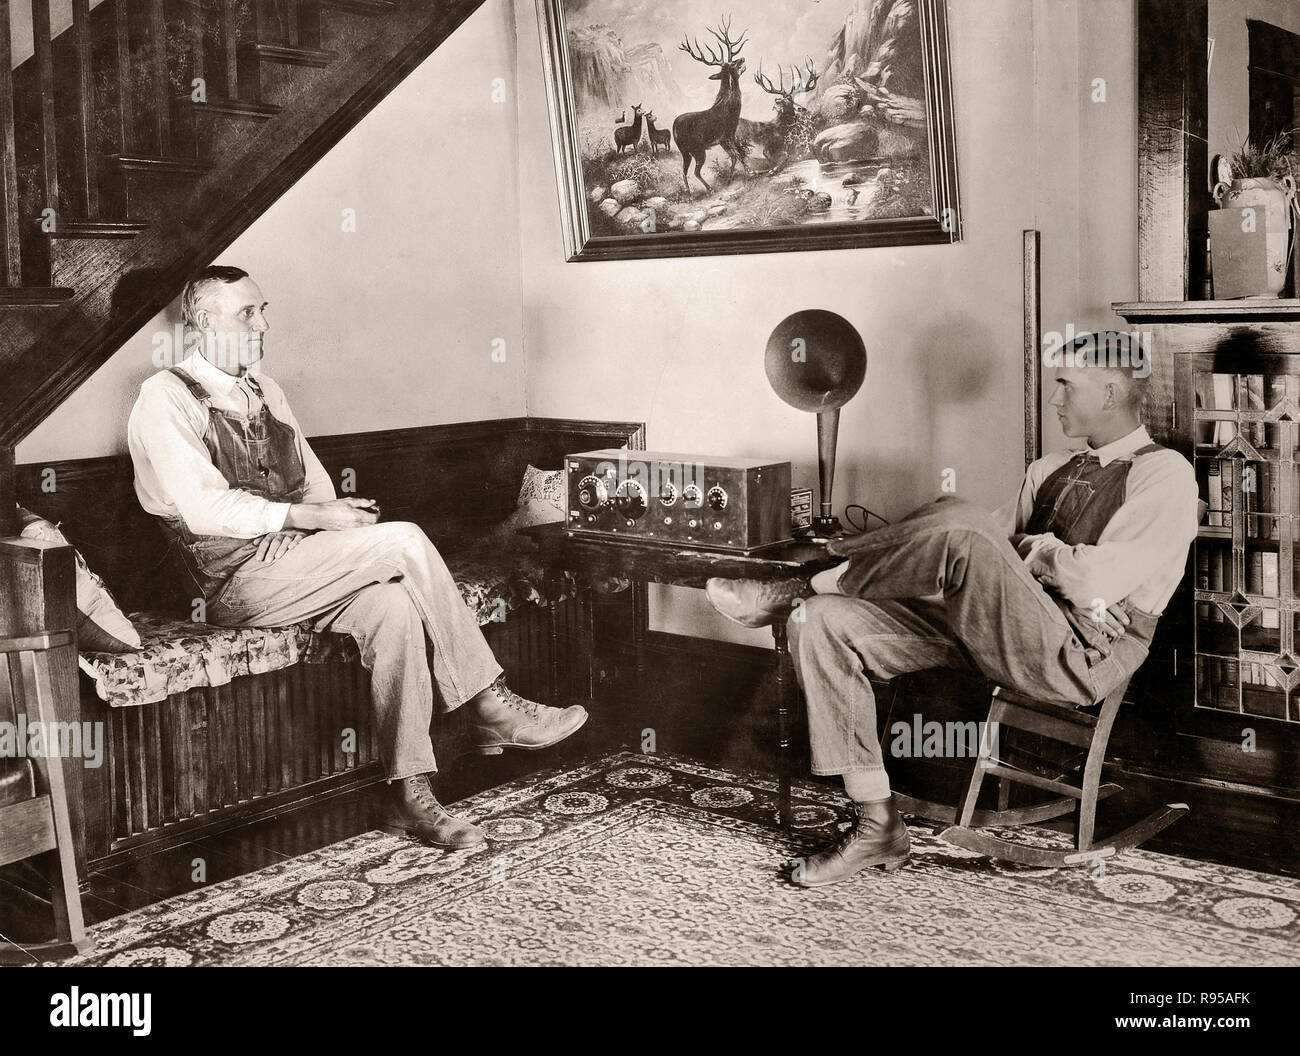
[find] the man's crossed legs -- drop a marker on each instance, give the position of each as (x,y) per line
(942,588)
(388,587)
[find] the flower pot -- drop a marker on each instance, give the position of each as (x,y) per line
(1274,201)
(1273,198)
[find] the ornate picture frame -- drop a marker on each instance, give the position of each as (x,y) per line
(657,157)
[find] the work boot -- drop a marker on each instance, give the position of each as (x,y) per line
(756,602)
(878,837)
(501,718)
(413,808)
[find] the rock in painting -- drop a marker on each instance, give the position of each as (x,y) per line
(847,142)
(626,191)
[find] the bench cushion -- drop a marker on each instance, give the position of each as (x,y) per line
(495,575)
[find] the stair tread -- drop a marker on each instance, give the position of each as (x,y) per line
(34,296)
(361,7)
(97,229)
(291,55)
(237,107)
(152,163)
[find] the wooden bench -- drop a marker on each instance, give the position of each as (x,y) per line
(213,757)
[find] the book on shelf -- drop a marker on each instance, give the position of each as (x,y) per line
(1216,581)
(1224,400)
(1216,494)
(1202,580)
(1270,587)
(1255,402)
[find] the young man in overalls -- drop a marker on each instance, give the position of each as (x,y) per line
(221,461)
(1055,595)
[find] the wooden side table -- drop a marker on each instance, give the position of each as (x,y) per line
(590,558)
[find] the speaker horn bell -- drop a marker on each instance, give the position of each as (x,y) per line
(816,362)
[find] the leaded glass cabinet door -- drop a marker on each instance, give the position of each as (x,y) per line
(1239,422)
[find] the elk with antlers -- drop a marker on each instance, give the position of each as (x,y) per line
(775,136)
(696,132)
(630,136)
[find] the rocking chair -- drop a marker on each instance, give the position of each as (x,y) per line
(1079,727)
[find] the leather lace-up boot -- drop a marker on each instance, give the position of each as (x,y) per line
(878,837)
(501,718)
(756,602)
(414,809)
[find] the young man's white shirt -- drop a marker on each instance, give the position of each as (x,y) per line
(1140,555)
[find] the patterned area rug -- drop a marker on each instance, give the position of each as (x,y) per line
(660,861)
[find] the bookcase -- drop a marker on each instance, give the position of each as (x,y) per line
(1239,423)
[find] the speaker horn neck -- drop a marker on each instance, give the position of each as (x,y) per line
(828,428)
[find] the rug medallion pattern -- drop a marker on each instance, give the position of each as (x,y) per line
(658,860)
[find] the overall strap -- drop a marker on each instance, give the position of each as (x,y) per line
(196,388)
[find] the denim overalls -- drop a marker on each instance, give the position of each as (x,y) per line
(1075,504)
(258,455)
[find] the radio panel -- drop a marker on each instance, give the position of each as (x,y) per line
(720,503)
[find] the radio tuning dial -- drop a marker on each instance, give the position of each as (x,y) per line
(591,493)
(717,498)
(667,493)
(692,497)
(630,499)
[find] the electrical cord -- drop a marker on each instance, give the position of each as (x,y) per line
(866,514)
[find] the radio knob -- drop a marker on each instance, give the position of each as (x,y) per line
(630,499)
(591,493)
(667,493)
(692,497)
(717,498)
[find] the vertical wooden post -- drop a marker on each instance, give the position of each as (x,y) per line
(8,493)
(1173,38)
(198,28)
(10,246)
(1033,326)
(264,18)
(122,65)
(44,53)
(161,84)
(229,48)
(84,147)
(291,15)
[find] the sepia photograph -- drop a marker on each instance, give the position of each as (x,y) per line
(648,483)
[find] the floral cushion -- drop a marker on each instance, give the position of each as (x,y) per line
(496,575)
(176,655)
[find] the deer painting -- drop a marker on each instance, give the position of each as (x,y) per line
(659,137)
(696,132)
(631,135)
(780,137)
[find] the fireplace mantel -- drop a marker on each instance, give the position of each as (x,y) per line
(1249,310)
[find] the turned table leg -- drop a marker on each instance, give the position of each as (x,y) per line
(785,687)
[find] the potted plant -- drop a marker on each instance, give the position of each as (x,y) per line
(1260,176)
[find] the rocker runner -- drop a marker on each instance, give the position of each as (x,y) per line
(221,461)
(1055,595)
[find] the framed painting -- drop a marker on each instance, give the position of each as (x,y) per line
(776,127)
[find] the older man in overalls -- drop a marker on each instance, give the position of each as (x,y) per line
(1055,595)
(221,461)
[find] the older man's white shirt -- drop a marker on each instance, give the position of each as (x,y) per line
(174,472)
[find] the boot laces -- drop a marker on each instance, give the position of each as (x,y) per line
(424,794)
(512,699)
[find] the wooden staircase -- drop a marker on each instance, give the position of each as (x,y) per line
(139,143)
